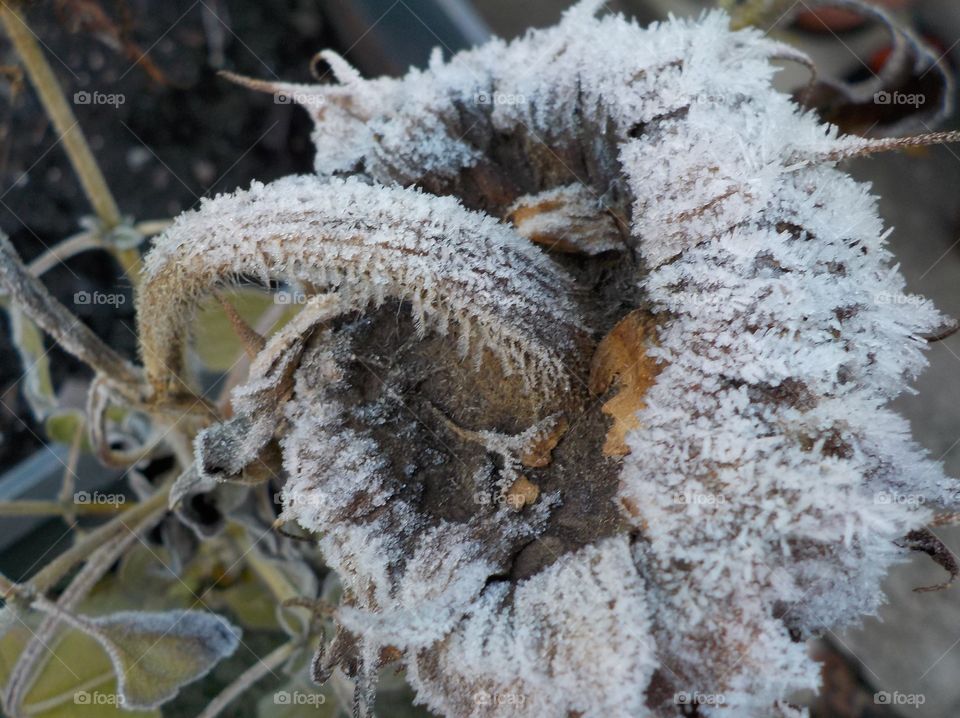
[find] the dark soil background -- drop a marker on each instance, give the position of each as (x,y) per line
(190,134)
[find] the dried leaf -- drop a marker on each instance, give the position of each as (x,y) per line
(568,219)
(924,540)
(522,493)
(240,449)
(621,356)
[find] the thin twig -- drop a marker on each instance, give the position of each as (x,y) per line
(48,576)
(71,334)
(55,104)
(62,251)
(56,508)
(250,676)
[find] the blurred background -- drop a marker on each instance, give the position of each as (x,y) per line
(175,132)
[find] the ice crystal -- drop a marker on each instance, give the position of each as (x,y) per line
(461,271)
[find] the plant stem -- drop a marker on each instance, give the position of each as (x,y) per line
(69,332)
(46,577)
(62,251)
(55,508)
(67,127)
(250,676)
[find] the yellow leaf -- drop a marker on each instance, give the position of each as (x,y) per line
(75,681)
(218,344)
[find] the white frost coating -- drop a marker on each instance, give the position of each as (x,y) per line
(461,271)
(759,482)
(765,452)
(411,580)
(575,639)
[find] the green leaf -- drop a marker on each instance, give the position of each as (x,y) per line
(37,384)
(76,680)
(155,653)
(63,427)
(221,347)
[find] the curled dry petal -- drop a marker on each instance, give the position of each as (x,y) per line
(460,271)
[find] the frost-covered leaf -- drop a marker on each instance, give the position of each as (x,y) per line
(368,243)
(154,654)
(76,680)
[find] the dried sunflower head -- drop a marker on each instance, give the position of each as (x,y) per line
(588,406)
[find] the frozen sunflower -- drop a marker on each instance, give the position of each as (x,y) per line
(587,404)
